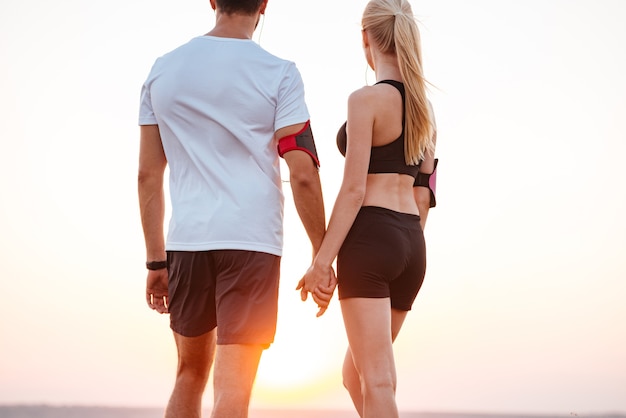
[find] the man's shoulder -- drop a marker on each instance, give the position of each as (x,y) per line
(190,44)
(272,57)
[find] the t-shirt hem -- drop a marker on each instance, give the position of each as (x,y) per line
(303,118)
(147,121)
(245,246)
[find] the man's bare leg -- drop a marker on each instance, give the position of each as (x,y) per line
(235,370)
(195,356)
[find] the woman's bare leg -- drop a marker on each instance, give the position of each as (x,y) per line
(351,378)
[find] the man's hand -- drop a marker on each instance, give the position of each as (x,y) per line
(156,290)
(321,284)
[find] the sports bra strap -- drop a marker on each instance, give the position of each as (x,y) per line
(400,87)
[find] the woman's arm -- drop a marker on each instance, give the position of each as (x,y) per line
(352,191)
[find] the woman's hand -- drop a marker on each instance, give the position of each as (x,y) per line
(320,281)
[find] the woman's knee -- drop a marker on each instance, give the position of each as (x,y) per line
(379,382)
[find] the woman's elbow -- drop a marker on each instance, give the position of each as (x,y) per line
(422,196)
(354,193)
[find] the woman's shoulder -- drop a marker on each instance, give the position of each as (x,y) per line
(366,95)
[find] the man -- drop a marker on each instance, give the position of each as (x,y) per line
(219,110)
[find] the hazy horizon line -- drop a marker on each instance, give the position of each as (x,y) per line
(284,410)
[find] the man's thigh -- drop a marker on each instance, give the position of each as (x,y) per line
(246,296)
(191,288)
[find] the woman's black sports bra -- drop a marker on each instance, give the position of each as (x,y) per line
(388,158)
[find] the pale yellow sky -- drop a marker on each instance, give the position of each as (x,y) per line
(522,308)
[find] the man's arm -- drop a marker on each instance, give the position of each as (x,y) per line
(307,194)
(306,188)
(152,163)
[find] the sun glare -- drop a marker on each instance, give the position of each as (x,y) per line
(294,370)
(305,359)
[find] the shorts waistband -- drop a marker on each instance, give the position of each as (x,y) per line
(389,213)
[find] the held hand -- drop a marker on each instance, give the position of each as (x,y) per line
(321,283)
(323,294)
(156,290)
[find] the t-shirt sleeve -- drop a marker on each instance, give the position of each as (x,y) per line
(146,113)
(291,107)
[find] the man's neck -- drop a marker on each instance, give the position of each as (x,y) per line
(234,26)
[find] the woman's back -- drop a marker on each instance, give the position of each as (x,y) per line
(389,180)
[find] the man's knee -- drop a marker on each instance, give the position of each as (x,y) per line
(195,355)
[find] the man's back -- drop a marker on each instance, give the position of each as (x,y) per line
(214,111)
(218,102)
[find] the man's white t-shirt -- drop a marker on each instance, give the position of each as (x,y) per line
(217,102)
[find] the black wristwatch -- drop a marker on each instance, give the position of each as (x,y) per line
(156,265)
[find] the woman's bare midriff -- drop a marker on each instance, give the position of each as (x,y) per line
(392,191)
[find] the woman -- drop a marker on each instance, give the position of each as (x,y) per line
(376,227)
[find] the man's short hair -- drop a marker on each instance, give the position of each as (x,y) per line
(248,7)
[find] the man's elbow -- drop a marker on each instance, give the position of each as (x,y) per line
(147,179)
(144,177)
(306,176)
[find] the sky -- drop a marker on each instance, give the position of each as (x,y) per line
(522,307)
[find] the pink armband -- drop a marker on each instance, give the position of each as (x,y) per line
(430,181)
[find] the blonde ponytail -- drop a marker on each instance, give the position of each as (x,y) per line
(395,30)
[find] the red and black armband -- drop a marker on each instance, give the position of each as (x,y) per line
(302,141)
(430,181)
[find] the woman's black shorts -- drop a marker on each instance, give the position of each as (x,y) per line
(384,255)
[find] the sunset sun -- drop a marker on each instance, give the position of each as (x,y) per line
(305,359)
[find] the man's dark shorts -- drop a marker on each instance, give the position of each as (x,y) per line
(233,290)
